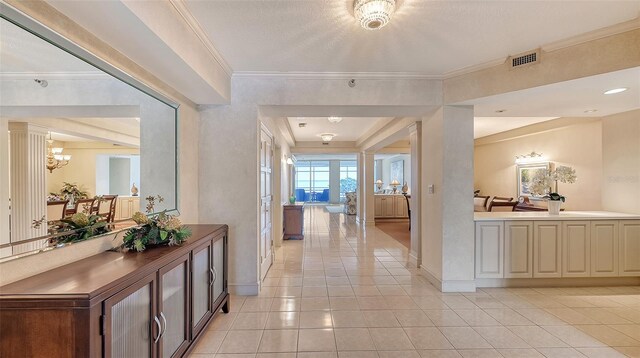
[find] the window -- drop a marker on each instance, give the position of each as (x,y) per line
(348,177)
(312,181)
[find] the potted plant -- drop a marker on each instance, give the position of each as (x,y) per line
(80,227)
(70,192)
(543,182)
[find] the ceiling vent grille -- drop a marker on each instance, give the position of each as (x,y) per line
(525,59)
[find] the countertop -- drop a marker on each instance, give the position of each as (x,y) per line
(543,215)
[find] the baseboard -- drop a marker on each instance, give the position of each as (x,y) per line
(449,285)
(413,259)
(558,282)
(244,289)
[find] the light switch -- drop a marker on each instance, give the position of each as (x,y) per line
(431,188)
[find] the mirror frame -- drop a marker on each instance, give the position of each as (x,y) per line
(39,30)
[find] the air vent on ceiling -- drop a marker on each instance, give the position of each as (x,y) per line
(325,143)
(524,59)
(302,124)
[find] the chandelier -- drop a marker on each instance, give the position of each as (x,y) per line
(373,14)
(327,137)
(55,158)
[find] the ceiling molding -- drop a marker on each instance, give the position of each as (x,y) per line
(339,75)
(195,26)
(533,129)
(80,75)
(554,46)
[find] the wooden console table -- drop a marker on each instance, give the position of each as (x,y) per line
(156,303)
(293,221)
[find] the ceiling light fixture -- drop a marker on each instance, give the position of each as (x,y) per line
(327,137)
(42,83)
(616,90)
(55,158)
(333,119)
(373,14)
(591,111)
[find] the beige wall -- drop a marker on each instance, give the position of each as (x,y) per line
(621,162)
(578,146)
(81,169)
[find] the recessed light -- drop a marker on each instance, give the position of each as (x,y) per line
(302,125)
(616,90)
(591,111)
(501,110)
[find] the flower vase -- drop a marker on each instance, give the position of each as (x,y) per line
(292,200)
(553,206)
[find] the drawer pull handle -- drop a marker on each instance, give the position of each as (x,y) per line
(155,340)
(164,319)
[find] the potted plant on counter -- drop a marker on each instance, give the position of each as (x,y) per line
(545,181)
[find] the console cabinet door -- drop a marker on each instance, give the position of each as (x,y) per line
(378,206)
(489,249)
(547,249)
(218,269)
(604,248)
(401,207)
(173,307)
(629,248)
(201,281)
(576,249)
(130,322)
(518,249)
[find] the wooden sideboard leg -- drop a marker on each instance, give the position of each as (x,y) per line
(226,306)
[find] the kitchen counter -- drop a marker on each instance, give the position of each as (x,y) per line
(543,215)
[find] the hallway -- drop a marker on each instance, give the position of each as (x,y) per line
(349,293)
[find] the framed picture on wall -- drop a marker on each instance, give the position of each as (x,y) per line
(525,173)
(397,171)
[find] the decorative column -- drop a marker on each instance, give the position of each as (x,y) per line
(4,187)
(368,185)
(360,190)
(28,152)
(415,138)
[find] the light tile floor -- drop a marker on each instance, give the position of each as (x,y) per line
(343,292)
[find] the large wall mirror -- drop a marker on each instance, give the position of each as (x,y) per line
(75,139)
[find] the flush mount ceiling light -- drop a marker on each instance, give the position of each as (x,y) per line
(327,137)
(591,111)
(616,90)
(335,119)
(373,14)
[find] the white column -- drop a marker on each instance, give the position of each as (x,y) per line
(415,138)
(28,180)
(447,199)
(368,184)
(334,181)
(4,186)
(360,190)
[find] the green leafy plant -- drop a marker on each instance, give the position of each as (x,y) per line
(72,190)
(80,227)
(154,230)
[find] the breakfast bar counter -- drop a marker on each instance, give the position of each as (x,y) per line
(573,248)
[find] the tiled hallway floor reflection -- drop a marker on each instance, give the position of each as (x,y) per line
(343,293)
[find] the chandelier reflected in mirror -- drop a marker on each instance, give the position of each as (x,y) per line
(55,158)
(373,14)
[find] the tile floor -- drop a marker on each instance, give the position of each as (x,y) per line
(345,293)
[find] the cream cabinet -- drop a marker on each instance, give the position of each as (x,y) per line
(604,248)
(629,241)
(576,248)
(518,249)
(126,206)
(489,249)
(547,249)
(390,206)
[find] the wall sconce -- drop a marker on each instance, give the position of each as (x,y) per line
(289,159)
(532,157)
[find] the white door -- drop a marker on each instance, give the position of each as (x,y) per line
(266,203)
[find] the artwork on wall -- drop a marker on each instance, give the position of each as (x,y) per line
(526,172)
(397,171)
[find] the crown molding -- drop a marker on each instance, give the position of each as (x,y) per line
(338,75)
(84,75)
(195,26)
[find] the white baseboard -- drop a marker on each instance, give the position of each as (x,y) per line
(449,285)
(244,289)
(413,259)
